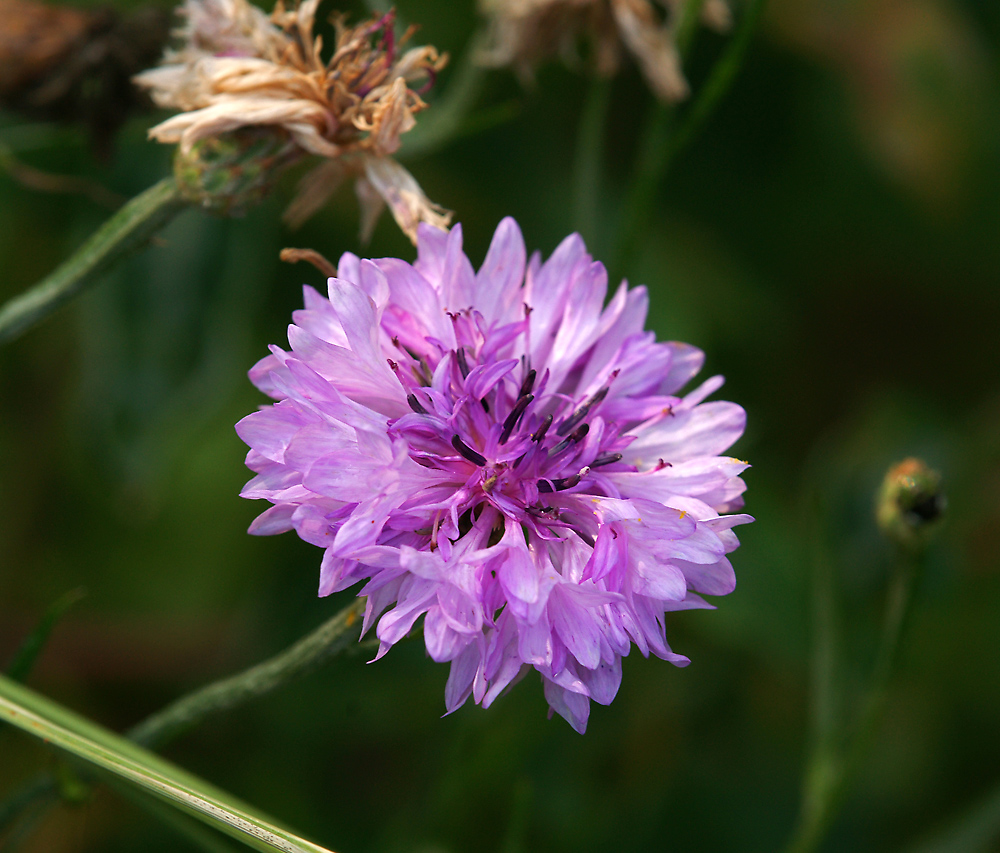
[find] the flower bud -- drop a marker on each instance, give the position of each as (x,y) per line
(231,172)
(910,503)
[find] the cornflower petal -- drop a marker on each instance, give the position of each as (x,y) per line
(504,455)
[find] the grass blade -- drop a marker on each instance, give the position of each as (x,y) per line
(60,727)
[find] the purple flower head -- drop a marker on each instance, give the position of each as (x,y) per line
(503,454)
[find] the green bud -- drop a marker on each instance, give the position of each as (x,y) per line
(910,503)
(230,173)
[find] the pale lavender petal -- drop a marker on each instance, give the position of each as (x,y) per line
(504,455)
(499,278)
(574,708)
(705,430)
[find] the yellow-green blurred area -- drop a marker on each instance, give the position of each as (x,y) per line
(831,240)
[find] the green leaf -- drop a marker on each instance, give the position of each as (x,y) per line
(61,727)
(194,831)
(25,657)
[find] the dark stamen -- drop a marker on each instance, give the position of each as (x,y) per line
(415,404)
(528,385)
(541,511)
(578,435)
(470,454)
(463,363)
(515,416)
(544,428)
(606,459)
(566,482)
(581,412)
(561,483)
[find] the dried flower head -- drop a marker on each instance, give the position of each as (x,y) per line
(524,32)
(505,455)
(239,68)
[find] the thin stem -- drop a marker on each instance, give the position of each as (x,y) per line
(157,730)
(128,229)
(660,144)
(589,154)
(831,771)
(188,711)
(822,766)
(897,607)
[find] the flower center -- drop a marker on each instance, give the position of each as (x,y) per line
(495,427)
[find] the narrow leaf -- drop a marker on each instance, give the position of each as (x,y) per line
(55,724)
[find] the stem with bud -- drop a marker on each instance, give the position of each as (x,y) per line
(909,506)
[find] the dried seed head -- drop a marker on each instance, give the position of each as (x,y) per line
(239,68)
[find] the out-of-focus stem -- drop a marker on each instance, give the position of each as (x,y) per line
(157,730)
(188,711)
(128,229)
(832,768)
(663,138)
(589,154)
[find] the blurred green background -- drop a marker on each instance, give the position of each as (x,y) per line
(832,241)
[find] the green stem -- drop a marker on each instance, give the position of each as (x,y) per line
(822,767)
(128,229)
(831,770)
(188,711)
(660,144)
(589,154)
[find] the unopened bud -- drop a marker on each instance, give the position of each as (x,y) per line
(910,503)
(231,172)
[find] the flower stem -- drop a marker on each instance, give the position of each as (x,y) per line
(188,711)
(660,142)
(831,770)
(126,230)
(589,154)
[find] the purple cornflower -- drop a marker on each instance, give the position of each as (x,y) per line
(503,454)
